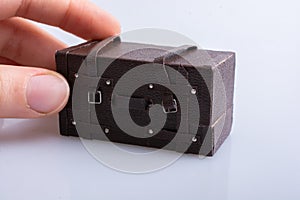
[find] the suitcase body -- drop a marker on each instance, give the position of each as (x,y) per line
(192,87)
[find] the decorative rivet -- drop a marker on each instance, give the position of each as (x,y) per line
(194,139)
(106,130)
(74,123)
(76,75)
(108,82)
(151,86)
(150,131)
(193,91)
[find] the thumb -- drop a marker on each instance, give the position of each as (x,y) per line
(27,92)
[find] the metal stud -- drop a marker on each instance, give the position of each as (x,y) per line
(194,139)
(76,75)
(150,131)
(151,86)
(106,130)
(74,123)
(108,82)
(193,91)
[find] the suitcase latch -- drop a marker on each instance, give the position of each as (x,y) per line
(169,104)
(95,97)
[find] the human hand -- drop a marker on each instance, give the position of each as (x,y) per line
(35,90)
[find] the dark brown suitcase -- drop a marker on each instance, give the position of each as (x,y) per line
(95,68)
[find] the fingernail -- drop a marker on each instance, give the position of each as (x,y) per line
(1,123)
(46,93)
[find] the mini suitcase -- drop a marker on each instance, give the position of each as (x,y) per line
(98,67)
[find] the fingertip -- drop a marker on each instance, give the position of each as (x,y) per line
(28,92)
(117,28)
(47,93)
(102,25)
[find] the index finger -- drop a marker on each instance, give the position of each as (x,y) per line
(79,17)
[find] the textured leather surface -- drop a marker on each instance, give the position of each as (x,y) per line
(69,61)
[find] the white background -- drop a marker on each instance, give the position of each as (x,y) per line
(260,160)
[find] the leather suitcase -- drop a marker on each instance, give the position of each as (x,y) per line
(98,67)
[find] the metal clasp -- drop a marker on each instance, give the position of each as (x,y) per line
(95,97)
(171,108)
